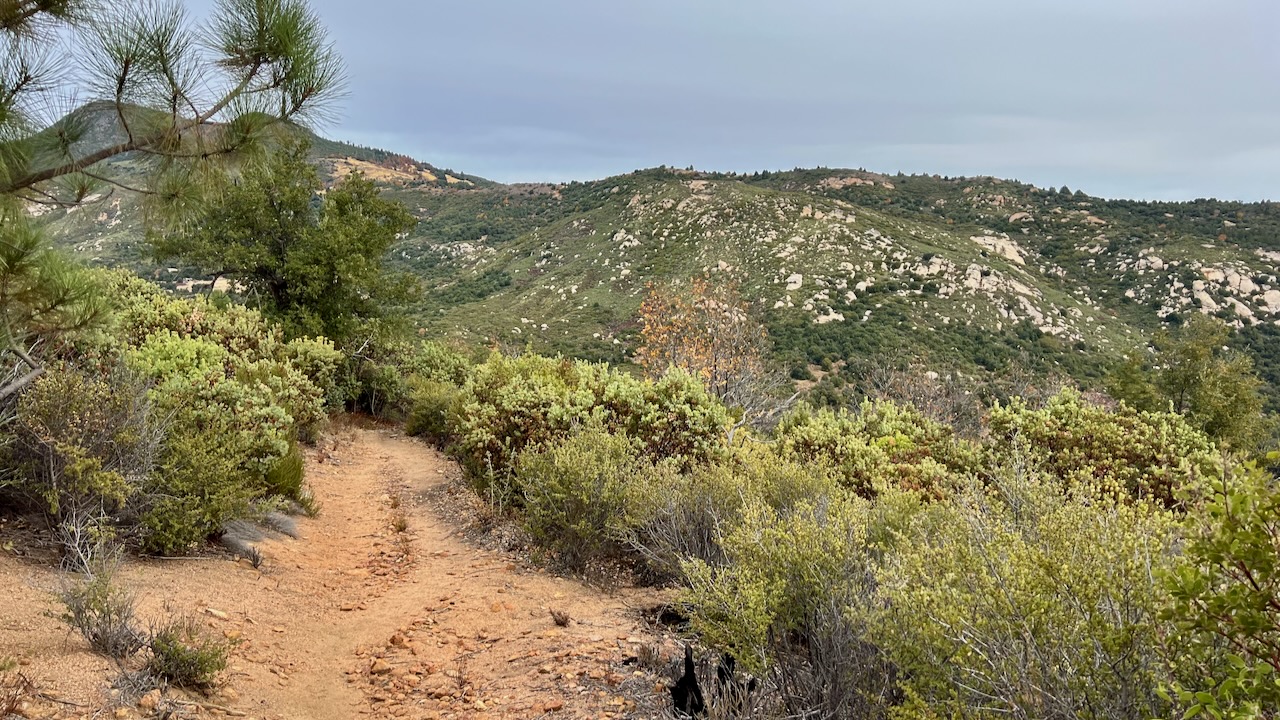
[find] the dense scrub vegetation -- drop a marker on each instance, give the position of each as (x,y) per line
(178,417)
(1079,558)
(894,549)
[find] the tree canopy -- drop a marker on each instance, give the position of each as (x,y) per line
(1193,372)
(184,95)
(310,257)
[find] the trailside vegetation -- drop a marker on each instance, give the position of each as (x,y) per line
(1079,559)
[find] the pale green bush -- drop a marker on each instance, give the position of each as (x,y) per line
(576,495)
(678,516)
(882,440)
(233,400)
(433,402)
(509,404)
(1018,599)
(1122,452)
(83,442)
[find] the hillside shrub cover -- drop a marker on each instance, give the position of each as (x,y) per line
(871,564)
(881,441)
(1021,599)
(1121,452)
(173,420)
(509,404)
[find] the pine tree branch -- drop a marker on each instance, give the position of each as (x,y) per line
(144,143)
(20,384)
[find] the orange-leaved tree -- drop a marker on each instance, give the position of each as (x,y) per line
(706,329)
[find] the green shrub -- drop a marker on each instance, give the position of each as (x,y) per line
(437,362)
(674,417)
(882,440)
(784,569)
(430,417)
(83,441)
(285,478)
(1224,595)
(678,516)
(321,364)
(199,486)
(509,404)
(1122,451)
(171,421)
(575,494)
(1020,599)
(183,655)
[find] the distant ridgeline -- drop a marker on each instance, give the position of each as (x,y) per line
(970,274)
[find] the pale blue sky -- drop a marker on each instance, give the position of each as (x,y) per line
(1167,99)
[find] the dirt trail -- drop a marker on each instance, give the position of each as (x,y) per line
(379,609)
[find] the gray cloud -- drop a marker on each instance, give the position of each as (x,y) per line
(1137,98)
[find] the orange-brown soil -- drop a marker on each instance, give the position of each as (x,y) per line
(380,608)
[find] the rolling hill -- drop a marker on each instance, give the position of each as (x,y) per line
(960,273)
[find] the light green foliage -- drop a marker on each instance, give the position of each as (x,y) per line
(1194,373)
(83,442)
(173,421)
(194,382)
(678,516)
(235,415)
(509,404)
(1121,451)
(799,579)
(881,440)
(312,261)
(1225,594)
(438,362)
(434,372)
(317,359)
(432,403)
(781,567)
(183,654)
(1020,600)
(576,494)
(193,342)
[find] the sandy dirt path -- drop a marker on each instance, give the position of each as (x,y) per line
(380,608)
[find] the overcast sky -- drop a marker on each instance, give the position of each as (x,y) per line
(1161,99)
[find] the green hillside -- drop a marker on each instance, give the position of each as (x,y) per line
(959,273)
(841,263)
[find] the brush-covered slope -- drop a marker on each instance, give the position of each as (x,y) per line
(966,271)
(971,273)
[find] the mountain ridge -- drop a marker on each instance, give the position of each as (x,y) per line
(971,273)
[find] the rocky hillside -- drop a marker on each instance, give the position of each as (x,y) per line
(973,273)
(969,271)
